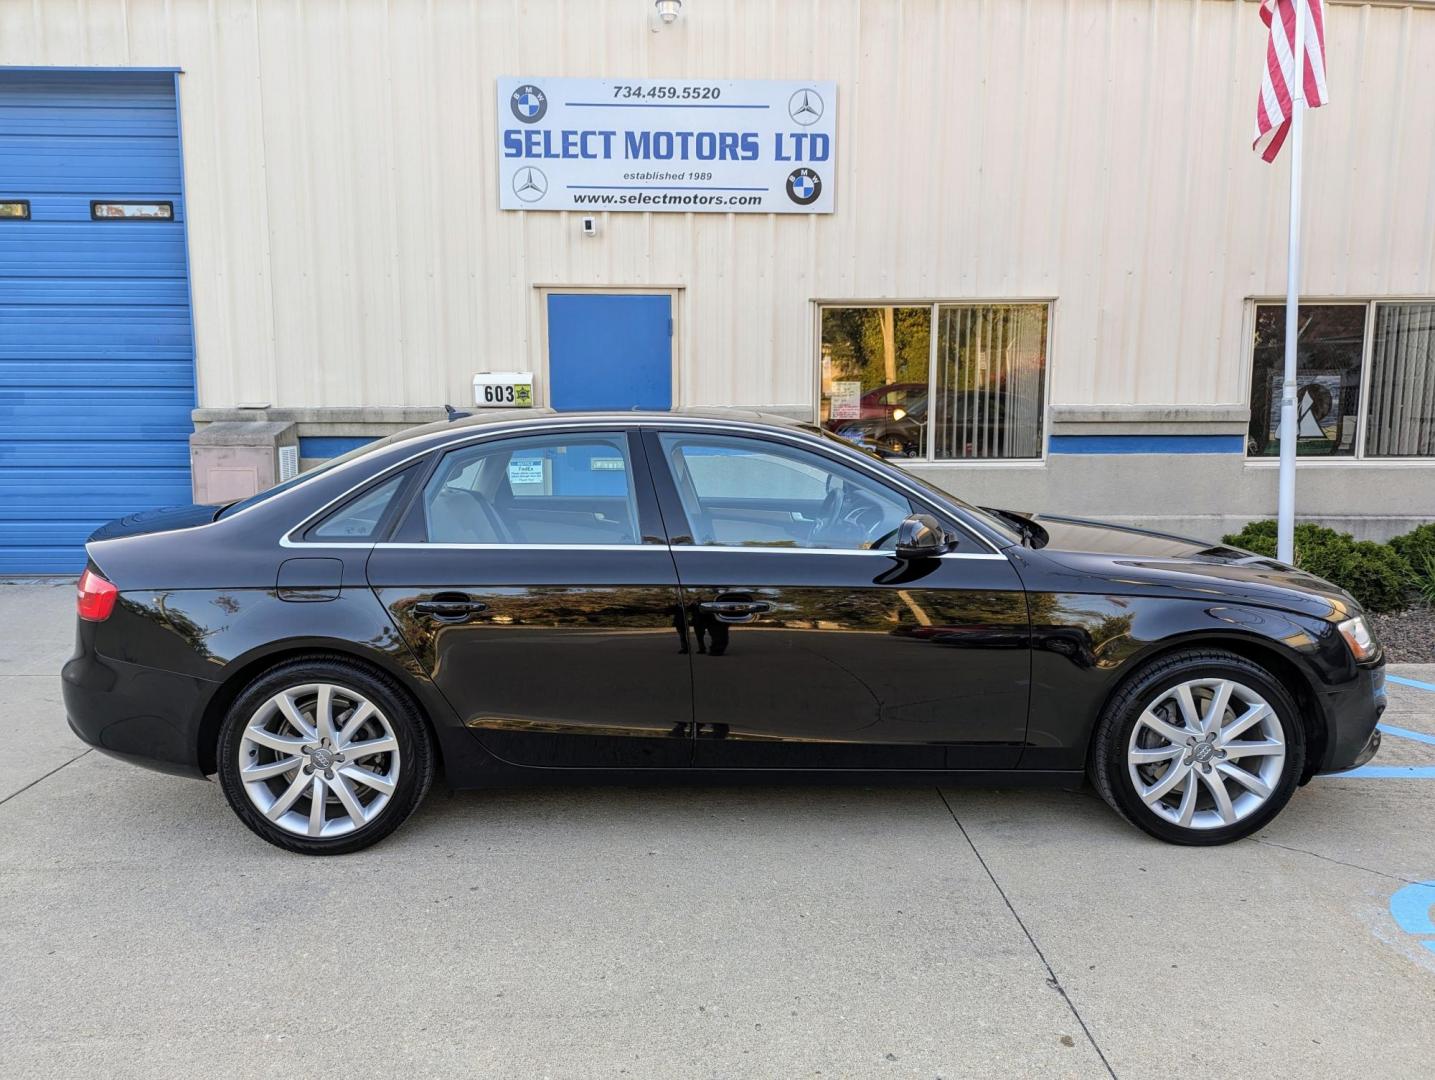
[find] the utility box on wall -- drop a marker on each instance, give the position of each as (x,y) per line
(235,460)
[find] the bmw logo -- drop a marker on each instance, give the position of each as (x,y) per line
(528,104)
(803,186)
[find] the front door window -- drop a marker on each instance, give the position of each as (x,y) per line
(748,493)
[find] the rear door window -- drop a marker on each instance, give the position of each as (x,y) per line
(565,489)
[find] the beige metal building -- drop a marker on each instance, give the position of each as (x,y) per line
(1049,244)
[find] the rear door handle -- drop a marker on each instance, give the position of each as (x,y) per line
(734,611)
(450,607)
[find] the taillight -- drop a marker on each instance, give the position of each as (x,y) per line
(95,597)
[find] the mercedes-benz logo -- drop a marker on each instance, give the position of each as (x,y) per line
(529,184)
(803,186)
(805,107)
(528,104)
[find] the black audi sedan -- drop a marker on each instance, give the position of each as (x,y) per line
(576,595)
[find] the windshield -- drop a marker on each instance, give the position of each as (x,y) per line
(997,525)
(309,474)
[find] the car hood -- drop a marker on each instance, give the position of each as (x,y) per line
(1153,561)
(153,521)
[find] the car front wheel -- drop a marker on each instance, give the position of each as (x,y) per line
(1199,748)
(324,757)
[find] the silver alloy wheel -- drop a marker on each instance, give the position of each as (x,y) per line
(1206,753)
(319,760)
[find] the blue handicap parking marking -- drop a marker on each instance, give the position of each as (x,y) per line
(1387,772)
(1397,772)
(1411,907)
(1406,733)
(1403,681)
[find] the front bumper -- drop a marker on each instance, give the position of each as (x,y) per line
(1351,715)
(144,715)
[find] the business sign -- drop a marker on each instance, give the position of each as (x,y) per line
(677,145)
(845,401)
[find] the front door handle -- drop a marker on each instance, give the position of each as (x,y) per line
(450,607)
(734,611)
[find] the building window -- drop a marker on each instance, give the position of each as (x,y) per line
(936,382)
(1329,343)
(1401,415)
(1365,380)
(131,211)
(991,369)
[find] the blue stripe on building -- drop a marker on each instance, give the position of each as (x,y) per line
(1147,444)
(327,446)
(96,343)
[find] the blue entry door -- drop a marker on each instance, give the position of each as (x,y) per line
(610,351)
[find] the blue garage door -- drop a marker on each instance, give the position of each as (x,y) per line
(96,347)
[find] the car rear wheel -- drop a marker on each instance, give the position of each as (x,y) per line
(1199,748)
(324,757)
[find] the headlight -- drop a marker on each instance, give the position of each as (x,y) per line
(1357,635)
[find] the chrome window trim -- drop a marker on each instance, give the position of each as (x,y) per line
(666,548)
(414,545)
(735,549)
(434,442)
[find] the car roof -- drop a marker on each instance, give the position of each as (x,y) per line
(541,417)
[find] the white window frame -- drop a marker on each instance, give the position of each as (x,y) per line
(933,305)
(1367,349)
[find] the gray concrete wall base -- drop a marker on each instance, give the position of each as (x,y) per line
(368,415)
(346,422)
(1201,495)
(1149,419)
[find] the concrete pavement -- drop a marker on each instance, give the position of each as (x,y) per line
(694,932)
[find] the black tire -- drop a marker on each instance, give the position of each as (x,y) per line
(416,751)
(1108,762)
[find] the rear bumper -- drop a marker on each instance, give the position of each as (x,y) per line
(137,713)
(1351,715)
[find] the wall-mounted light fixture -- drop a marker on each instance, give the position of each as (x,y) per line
(668,10)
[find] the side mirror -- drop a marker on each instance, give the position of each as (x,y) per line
(921,536)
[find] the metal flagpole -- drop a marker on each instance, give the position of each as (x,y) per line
(1285,503)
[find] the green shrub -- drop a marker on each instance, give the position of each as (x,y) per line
(1258,536)
(1417,547)
(1425,580)
(1375,574)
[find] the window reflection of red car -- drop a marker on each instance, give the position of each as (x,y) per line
(881,403)
(897,432)
(977,423)
(889,419)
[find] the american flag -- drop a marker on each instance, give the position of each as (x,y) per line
(1273,110)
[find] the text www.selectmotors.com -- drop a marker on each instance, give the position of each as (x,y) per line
(643,198)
